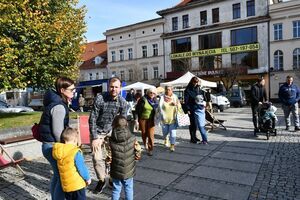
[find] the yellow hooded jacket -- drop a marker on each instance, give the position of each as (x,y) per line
(69,176)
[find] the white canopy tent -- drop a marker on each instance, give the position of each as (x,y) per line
(138,86)
(185,79)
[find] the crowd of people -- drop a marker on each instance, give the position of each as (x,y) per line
(111,137)
(112,141)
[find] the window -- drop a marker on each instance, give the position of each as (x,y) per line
(113,56)
(174,23)
(296,58)
(144,51)
(278,60)
(113,74)
(210,41)
(185,21)
(296,29)
(155,72)
(122,75)
(155,49)
(236,11)
(145,74)
(203,17)
(91,76)
(121,55)
(97,75)
(130,56)
(97,60)
(215,15)
(178,46)
(250,8)
(277,31)
(244,36)
(130,75)
(240,37)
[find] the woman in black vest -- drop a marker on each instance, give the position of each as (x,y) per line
(54,120)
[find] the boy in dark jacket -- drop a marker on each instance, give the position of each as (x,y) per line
(124,151)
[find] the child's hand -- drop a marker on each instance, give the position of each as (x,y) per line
(88,182)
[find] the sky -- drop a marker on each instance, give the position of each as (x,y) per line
(108,14)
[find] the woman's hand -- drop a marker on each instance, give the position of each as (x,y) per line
(96,144)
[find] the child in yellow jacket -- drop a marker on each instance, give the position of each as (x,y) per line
(74,175)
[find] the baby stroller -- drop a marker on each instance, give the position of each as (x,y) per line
(266,119)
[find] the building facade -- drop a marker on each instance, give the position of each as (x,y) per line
(218,40)
(93,64)
(135,52)
(284,44)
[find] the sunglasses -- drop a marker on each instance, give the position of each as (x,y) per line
(71,89)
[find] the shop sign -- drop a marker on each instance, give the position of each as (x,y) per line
(216,51)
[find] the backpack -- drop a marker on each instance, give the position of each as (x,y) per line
(36,133)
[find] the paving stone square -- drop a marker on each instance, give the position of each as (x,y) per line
(214,188)
(224,175)
(234,165)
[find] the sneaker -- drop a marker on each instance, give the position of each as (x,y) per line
(204,142)
(172,148)
(150,153)
(100,186)
(198,140)
(166,142)
(297,128)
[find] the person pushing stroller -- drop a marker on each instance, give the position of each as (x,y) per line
(267,118)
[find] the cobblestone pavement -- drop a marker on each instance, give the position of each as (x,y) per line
(235,165)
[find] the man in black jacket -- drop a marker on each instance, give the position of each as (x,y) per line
(258,96)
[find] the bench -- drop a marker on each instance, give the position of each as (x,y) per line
(16,139)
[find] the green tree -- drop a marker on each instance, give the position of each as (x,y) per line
(39,41)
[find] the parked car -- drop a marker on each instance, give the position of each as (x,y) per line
(5,108)
(237,98)
(219,102)
(36,104)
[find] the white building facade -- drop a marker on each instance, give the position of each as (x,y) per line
(215,26)
(284,44)
(135,52)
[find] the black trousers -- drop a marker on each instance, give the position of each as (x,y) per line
(254,108)
(76,195)
(193,128)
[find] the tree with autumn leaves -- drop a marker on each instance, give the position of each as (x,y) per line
(39,41)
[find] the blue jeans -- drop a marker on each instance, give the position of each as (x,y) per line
(55,185)
(169,128)
(200,122)
(117,187)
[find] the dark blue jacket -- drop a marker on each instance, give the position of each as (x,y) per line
(288,94)
(190,94)
(51,99)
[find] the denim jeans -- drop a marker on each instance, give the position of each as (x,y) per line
(117,187)
(55,185)
(200,121)
(169,128)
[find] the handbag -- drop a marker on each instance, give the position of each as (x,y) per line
(36,133)
(182,119)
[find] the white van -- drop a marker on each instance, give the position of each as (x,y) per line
(219,102)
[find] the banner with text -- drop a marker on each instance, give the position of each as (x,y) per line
(216,51)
